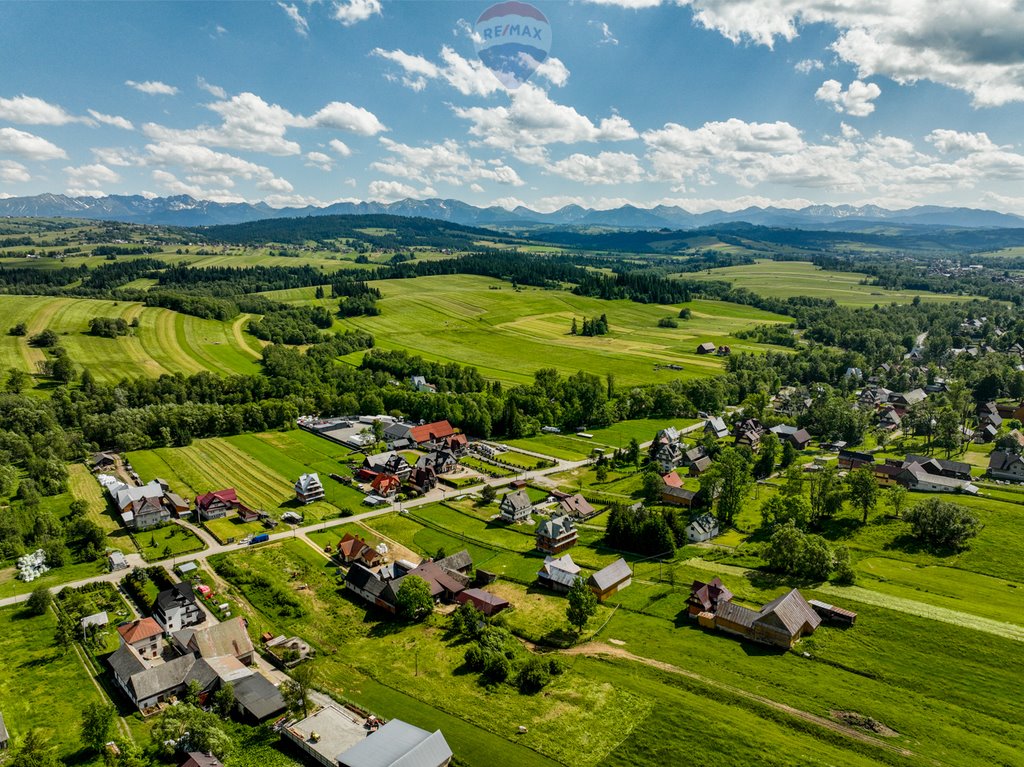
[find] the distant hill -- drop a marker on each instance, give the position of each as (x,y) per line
(182,210)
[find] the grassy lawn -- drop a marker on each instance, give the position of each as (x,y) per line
(171,540)
(784,279)
(476,320)
(11,586)
(40,686)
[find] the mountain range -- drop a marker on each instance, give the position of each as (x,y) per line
(182,210)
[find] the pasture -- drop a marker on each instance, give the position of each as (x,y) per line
(785,279)
(164,342)
(42,686)
(507,333)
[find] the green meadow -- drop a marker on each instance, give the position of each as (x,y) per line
(508,333)
(785,279)
(164,342)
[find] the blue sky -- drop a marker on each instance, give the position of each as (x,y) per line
(699,103)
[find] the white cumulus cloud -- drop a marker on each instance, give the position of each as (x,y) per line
(857,100)
(29,110)
(28,145)
(12,172)
(114,120)
(153,87)
(350,12)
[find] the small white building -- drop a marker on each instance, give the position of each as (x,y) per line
(703,528)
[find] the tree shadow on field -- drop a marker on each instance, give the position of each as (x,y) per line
(908,544)
(843,528)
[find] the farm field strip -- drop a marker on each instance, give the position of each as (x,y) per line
(164,341)
(785,279)
(925,610)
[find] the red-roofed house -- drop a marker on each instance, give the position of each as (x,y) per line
(352,548)
(386,485)
(672,479)
(439,431)
(216,504)
(143,636)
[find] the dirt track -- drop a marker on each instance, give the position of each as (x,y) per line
(596,649)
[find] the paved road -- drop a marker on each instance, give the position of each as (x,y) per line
(214,547)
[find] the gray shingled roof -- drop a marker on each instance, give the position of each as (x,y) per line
(518,500)
(793,611)
(398,744)
(258,696)
(162,677)
(125,662)
(556,527)
(607,577)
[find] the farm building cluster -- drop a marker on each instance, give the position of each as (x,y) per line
(780,623)
(161,656)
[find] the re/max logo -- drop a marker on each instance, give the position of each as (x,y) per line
(512,30)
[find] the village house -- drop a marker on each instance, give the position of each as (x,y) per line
(558,574)
(667,449)
(229,637)
(779,623)
(706,348)
(924,478)
(516,506)
(887,474)
(699,466)
(140,508)
(144,636)
(200,759)
(906,399)
(678,496)
(352,548)
(308,488)
(380,588)
(715,426)
(219,504)
(386,485)
(611,579)
(440,461)
(102,461)
(556,535)
(851,459)
(702,528)
(423,479)
(336,736)
(576,506)
(1006,465)
(432,435)
(176,608)
(749,432)
(390,462)
(798,438)
(704,597)
(484,601)
(460,562)
(419,383)
(939,466)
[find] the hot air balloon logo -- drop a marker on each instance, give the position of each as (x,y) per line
(512,39)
